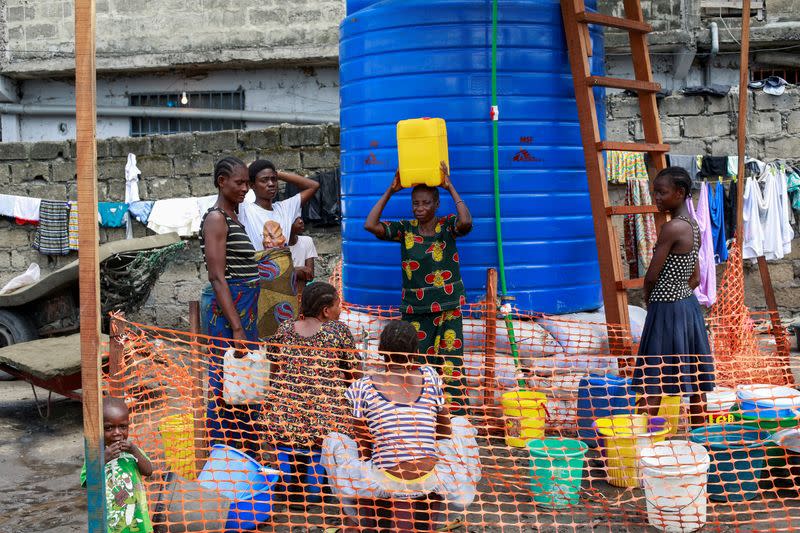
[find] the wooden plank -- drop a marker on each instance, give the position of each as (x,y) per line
(588,17)
(88,269)
(198,378)
(616,301)
(613,146)
(625,284)
(631,209)
(115,380)
(623,83)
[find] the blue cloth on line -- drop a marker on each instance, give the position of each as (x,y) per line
(716,208)
(112,214)
(141,210)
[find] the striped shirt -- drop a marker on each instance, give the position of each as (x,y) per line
(240,261)
(401,432)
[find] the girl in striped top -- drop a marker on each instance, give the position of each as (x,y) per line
(229,302)
(406,445)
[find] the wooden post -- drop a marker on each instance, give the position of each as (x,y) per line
(744,61)
(115,381)
(88,270)
(781,345)
(490,340)
(198,378)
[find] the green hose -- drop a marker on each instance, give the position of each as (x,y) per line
(497,219)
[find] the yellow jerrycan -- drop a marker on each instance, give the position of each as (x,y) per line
(421,147)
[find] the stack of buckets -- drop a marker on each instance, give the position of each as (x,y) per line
(556,465)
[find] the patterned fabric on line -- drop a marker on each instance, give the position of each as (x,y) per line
(401,432)
(52,235)
(640,230)
(73,225)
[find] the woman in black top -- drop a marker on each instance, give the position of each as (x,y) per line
(229,304)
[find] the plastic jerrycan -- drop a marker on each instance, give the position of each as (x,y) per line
(421,147)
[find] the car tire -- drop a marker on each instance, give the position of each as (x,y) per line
(14,328)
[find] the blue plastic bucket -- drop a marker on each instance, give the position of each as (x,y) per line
(245,514)
(233,473)
(738,455)
(601,396)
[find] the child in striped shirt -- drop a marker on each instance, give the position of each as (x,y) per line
(406,444)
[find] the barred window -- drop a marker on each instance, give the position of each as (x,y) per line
(143,126)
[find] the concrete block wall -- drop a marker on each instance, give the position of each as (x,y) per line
(141,34)
(707,126)
(172,166)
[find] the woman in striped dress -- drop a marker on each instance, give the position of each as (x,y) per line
(229,303)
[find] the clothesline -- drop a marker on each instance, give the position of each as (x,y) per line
(767,207)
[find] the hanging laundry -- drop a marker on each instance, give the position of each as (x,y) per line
(52,235)
(73,225)
(716,208)
(622,166)
(686,162)
(177,215)
(793,186)
(26,210)
(7,202)
(731,201)
(733,166)
(767,225)
(131,190)
(112,214)
(141,210)
(640,230)
(713,167)
(706,292)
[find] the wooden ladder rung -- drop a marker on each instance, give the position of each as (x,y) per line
(623,83)
(631,209)
(626,284)
(613,22)
(613,146)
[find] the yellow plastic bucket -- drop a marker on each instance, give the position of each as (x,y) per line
(177,435)
(670,408)
(525,413)
(624,437)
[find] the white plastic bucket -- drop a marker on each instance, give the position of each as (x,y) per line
(720,400)
(674,478)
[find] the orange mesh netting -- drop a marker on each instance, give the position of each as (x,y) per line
(294,459)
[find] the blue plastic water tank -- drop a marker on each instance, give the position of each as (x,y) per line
(404,59)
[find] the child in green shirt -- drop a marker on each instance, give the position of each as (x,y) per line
(126,500)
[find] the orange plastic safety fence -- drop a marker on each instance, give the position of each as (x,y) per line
(278,444)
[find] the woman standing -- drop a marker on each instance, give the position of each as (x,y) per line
(269,226)
(229,302)
(674,351)
(433,292)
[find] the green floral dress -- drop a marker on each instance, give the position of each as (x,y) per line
(433,294)
(126,499)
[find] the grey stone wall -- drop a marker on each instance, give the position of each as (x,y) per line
(707,126)
(145,34)
(172,166)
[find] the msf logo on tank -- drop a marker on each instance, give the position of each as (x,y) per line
(372,160)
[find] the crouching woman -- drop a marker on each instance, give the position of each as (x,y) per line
(406,444)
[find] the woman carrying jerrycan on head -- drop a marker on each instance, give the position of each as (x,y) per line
(433,291)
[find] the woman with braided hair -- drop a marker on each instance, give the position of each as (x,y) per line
(229,301)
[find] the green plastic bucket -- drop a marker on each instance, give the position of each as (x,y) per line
(556,471)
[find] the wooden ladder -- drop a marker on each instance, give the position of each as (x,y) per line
(576,26)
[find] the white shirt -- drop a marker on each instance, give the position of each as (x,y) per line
(253,217)
(767,227)
(302,250)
